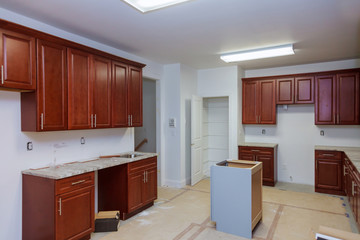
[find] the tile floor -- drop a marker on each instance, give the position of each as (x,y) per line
(181,214)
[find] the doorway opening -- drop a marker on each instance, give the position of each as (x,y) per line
(215,125)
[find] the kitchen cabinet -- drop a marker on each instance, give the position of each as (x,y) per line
(258,106)
(58,209)
(337,99)
(119,94)
(17,60)
(328,172)
(285,91)
(135,96)
(267,156)
(129,188)
(295,90)
(46,108)
(89,94)
(304,89)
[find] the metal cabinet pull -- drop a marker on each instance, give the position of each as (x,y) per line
(78,182)
(60,206)
(92,121)
(131,120)
(328,154)
(42,121)
(352,188)
(95,120)
(254,150)
(147,176)
(2,74)
(144,180)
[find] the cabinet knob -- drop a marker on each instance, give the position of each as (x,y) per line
(2,74)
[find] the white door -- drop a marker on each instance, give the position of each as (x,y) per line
(196,139)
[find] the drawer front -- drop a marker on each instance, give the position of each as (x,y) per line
(328,154)
(73,183)
(142,165)
(256,150)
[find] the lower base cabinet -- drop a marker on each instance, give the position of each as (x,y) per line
(58,209)
(328,172)
(267,156)
(352,188)
(128,188)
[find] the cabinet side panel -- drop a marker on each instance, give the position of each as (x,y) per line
(249,103)
(348,98)
(38,220)
(28,111)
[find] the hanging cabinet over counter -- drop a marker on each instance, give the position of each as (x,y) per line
(76,87)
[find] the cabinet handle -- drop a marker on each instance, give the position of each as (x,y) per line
(78,182)
(95,120)
(60,206)
(147,176)
(2,74)
(352,188)
(42,121)
(131,119)
(254,150)
(92,121)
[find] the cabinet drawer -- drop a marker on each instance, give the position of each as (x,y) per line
(328,154)
(74,183)
(256,150)
(141,165)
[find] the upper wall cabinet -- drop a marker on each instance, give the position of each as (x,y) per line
(135,96)
(259,102)
(17,61)
(295,90)
(120,117)
(46,109)
(337,99)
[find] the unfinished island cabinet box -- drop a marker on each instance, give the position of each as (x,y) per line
(266,155)
(236,196)
(46,108)
(17,60)
(258,102)
(328,172)
(129,188)
(58,209)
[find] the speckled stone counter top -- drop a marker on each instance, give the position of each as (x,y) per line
(254,144)
(76,168)
(353,153)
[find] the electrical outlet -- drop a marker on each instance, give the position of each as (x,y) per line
(322,133)
(29,146)
(263,131)
(82,140)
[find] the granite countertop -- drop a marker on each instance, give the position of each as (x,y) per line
(353,153)
(76,168)
(254,144)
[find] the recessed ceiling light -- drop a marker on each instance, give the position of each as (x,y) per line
(258,53)
(149,5)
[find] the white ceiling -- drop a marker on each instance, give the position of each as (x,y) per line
(195,33)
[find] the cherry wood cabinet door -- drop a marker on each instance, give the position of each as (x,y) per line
(120,117)
(325,103)
(268,167)
(101,92)
(75,214)
(348,98)
(52,87)
(249,102)
(136,182)
(135,96)
(79,90)
(304,90)
(285,91)
(150,186)
(266,104)
(17,60)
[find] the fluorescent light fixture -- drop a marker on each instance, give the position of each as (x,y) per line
(258,53)
(149,5)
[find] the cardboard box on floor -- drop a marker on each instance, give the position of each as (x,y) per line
(332,232)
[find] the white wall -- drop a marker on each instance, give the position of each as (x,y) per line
(15,158)
(222,82)
(295,131)
(188,88)
(171,80)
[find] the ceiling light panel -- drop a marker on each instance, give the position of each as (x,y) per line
(150,5)
(258,53)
